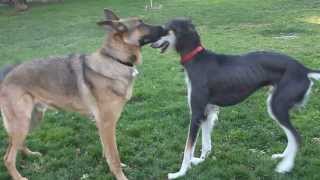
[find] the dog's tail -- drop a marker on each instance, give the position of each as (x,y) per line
(314,74)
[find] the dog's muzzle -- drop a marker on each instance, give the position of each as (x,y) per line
(155,34)
(165,42)
(161,45)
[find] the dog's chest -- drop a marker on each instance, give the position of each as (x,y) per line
(111,77)
(189,88)
(124,87)
(101,86)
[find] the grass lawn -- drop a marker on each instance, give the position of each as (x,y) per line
(152,131)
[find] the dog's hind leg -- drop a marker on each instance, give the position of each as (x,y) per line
(17,113)
(36,117)
(212,112)
(279,105)
(281,114)
(270,112)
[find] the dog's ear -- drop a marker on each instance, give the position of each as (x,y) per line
(189,20)
(115,25)
(191,27)
(110,15)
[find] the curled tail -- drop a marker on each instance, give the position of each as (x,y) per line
(314,74)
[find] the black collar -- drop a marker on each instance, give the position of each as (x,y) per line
(116,59)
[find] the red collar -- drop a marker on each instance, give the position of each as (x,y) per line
(189,56)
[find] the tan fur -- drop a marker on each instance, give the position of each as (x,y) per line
(94,84)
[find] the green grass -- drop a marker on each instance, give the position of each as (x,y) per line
(153,127)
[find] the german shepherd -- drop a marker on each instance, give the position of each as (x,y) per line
(97,84)
(218,80)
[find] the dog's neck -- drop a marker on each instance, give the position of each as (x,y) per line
(111,56)
(108,67)
(189,56)
(188,42)
(115,47)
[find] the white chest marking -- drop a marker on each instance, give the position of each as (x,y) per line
(135,72)
(188,83)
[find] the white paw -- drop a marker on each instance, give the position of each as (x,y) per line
(123,165)
(277,156)
(196,161)
(175,175)
(284,167)
(37,154)
(30,153)
(205,153)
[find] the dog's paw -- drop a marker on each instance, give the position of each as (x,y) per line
(28,152)
(123,165)
(205,152)
(277,156)
(175,175)
(284,167)
(196,161)
(38,154)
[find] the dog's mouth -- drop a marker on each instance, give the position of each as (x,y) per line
(165,42)
(162,46)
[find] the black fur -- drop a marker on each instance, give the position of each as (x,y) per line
(226,80)
(156,33)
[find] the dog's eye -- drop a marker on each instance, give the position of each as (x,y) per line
(174,31)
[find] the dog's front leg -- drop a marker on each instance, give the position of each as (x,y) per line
(212,112)
(197,117)
(107,127)
(197,100)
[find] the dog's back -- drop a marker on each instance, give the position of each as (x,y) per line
(5,71)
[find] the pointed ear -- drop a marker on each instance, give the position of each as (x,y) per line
(110,15)
(116,25)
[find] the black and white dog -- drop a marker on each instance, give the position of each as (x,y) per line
(216,80)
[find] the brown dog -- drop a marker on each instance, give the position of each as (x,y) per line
(97,84)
